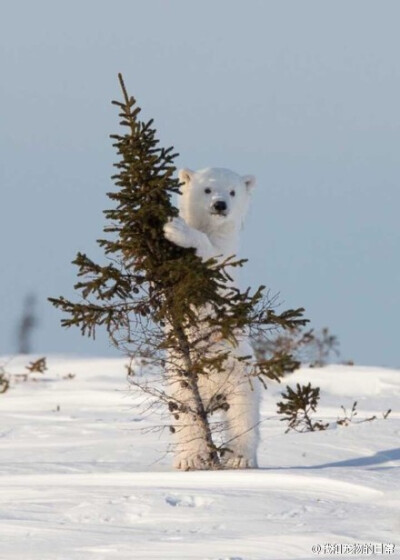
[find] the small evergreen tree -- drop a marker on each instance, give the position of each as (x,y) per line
(27,325)
(324,344)
(294,342)
(298,406)
(306,346)
(153,296)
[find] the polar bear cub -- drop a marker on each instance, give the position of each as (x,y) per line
(213,206)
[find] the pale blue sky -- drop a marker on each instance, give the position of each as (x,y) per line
(304,95)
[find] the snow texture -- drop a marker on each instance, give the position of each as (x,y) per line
(84,477)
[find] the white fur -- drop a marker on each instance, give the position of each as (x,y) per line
(215,234)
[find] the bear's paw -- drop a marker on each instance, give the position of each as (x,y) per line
(239,462)
(178,232)
(192,463)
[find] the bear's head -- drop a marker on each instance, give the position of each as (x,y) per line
(214,198)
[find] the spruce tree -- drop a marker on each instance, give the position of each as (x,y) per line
(155,298)
(298,407)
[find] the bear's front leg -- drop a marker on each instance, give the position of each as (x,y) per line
(177,231)
(191,453)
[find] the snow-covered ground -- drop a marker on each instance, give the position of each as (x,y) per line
(84,476)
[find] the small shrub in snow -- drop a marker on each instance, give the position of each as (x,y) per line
(349,417)
(4,381)
(298,406)
(37,366)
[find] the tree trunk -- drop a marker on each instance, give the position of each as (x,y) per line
(199,409)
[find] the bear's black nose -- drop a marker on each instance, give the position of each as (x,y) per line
(220,206)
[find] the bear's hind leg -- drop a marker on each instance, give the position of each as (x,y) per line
(242,427)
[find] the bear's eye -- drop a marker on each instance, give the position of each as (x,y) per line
(232,193)
(207,190)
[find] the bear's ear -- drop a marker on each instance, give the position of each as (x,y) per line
(249,181)
(185,175)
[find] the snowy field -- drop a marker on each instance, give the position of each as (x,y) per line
(85,477)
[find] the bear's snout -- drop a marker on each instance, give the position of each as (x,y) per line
(220,206)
